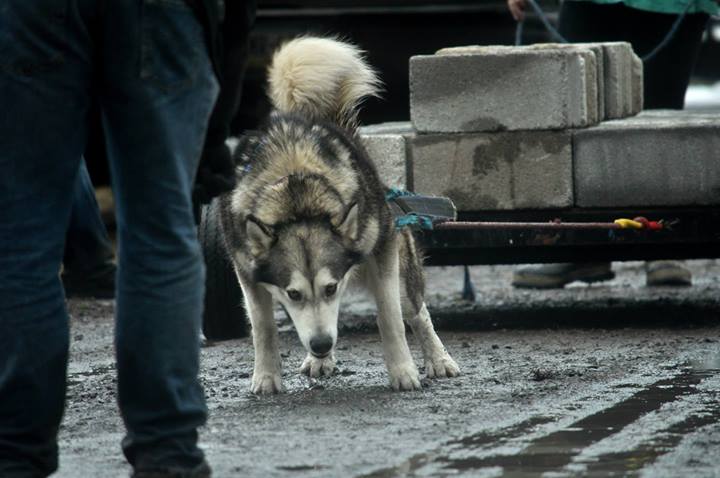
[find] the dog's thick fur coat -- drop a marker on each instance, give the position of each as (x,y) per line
(309,215)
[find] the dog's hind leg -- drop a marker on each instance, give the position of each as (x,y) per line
(384,283)
(267,372)
(438,362)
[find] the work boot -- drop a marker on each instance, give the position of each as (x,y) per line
(667,273)
(200,471)
(555,276)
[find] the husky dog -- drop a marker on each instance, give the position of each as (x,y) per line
(309,214)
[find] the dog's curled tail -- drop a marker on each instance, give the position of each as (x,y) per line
(322,78)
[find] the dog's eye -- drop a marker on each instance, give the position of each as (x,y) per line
(330,290)
(294,295)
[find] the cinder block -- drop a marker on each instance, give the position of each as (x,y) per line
(638,88)
(403,128)
(620,77)
(386,146)
(495,171)
(658,158)
(596,79)
(618,80)
(500,88)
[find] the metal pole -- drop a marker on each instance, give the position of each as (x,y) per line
(480,225)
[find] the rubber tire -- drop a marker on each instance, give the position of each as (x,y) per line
(224,316)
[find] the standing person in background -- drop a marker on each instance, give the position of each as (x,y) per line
(643,24)
(154,66)
(88,262)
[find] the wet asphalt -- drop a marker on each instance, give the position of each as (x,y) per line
(611,379)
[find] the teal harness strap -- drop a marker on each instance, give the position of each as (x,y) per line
(394,193)
(413,219)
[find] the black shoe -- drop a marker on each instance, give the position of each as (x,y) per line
(201,471)
(90,285)
(555,276)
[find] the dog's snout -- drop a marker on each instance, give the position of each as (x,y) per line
(321,344)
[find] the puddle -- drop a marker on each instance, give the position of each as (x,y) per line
(300,468)
(631,462)
(472,442)
(553,452)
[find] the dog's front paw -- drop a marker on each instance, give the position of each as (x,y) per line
(404,377)
(441,365)
(317,367)
(266,383)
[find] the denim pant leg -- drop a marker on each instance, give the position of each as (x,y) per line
(43,100)
(157,97)
(88,249)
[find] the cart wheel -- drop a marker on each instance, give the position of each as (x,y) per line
(224,315)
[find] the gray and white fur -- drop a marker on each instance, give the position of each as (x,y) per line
(309,216)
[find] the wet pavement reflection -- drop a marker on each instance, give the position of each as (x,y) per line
(558,452)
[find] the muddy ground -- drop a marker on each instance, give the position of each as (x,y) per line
(613,378)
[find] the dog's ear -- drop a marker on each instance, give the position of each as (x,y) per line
(260,236)
(348,226)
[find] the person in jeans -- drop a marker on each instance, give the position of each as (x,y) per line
(154,66)
(642,23)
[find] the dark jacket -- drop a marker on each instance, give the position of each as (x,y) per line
(228,24)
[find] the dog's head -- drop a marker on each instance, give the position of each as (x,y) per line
(306,266)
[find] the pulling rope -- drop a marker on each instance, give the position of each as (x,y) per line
(559,38)
(439,213)
(637,223)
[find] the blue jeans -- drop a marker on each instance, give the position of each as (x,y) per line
(147,62)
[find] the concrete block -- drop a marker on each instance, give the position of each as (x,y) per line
(403,128)
(638,88)
(495,171)
(658,158)
(620,77)
(618,80)
(596,80)
(502,88)
(386,146)
(619,74)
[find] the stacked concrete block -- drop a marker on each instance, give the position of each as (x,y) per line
(499,127)
(638,87)
(597,60)
(619,74)
(386,146)
(475,89)
(544,86)
(479,171)
(495,171)
(621,81)
(659,158)
(514,109)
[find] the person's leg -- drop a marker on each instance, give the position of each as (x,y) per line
(43,97)
(584,21)
(578,21)
(666,76)
(158,91)
(88,267)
